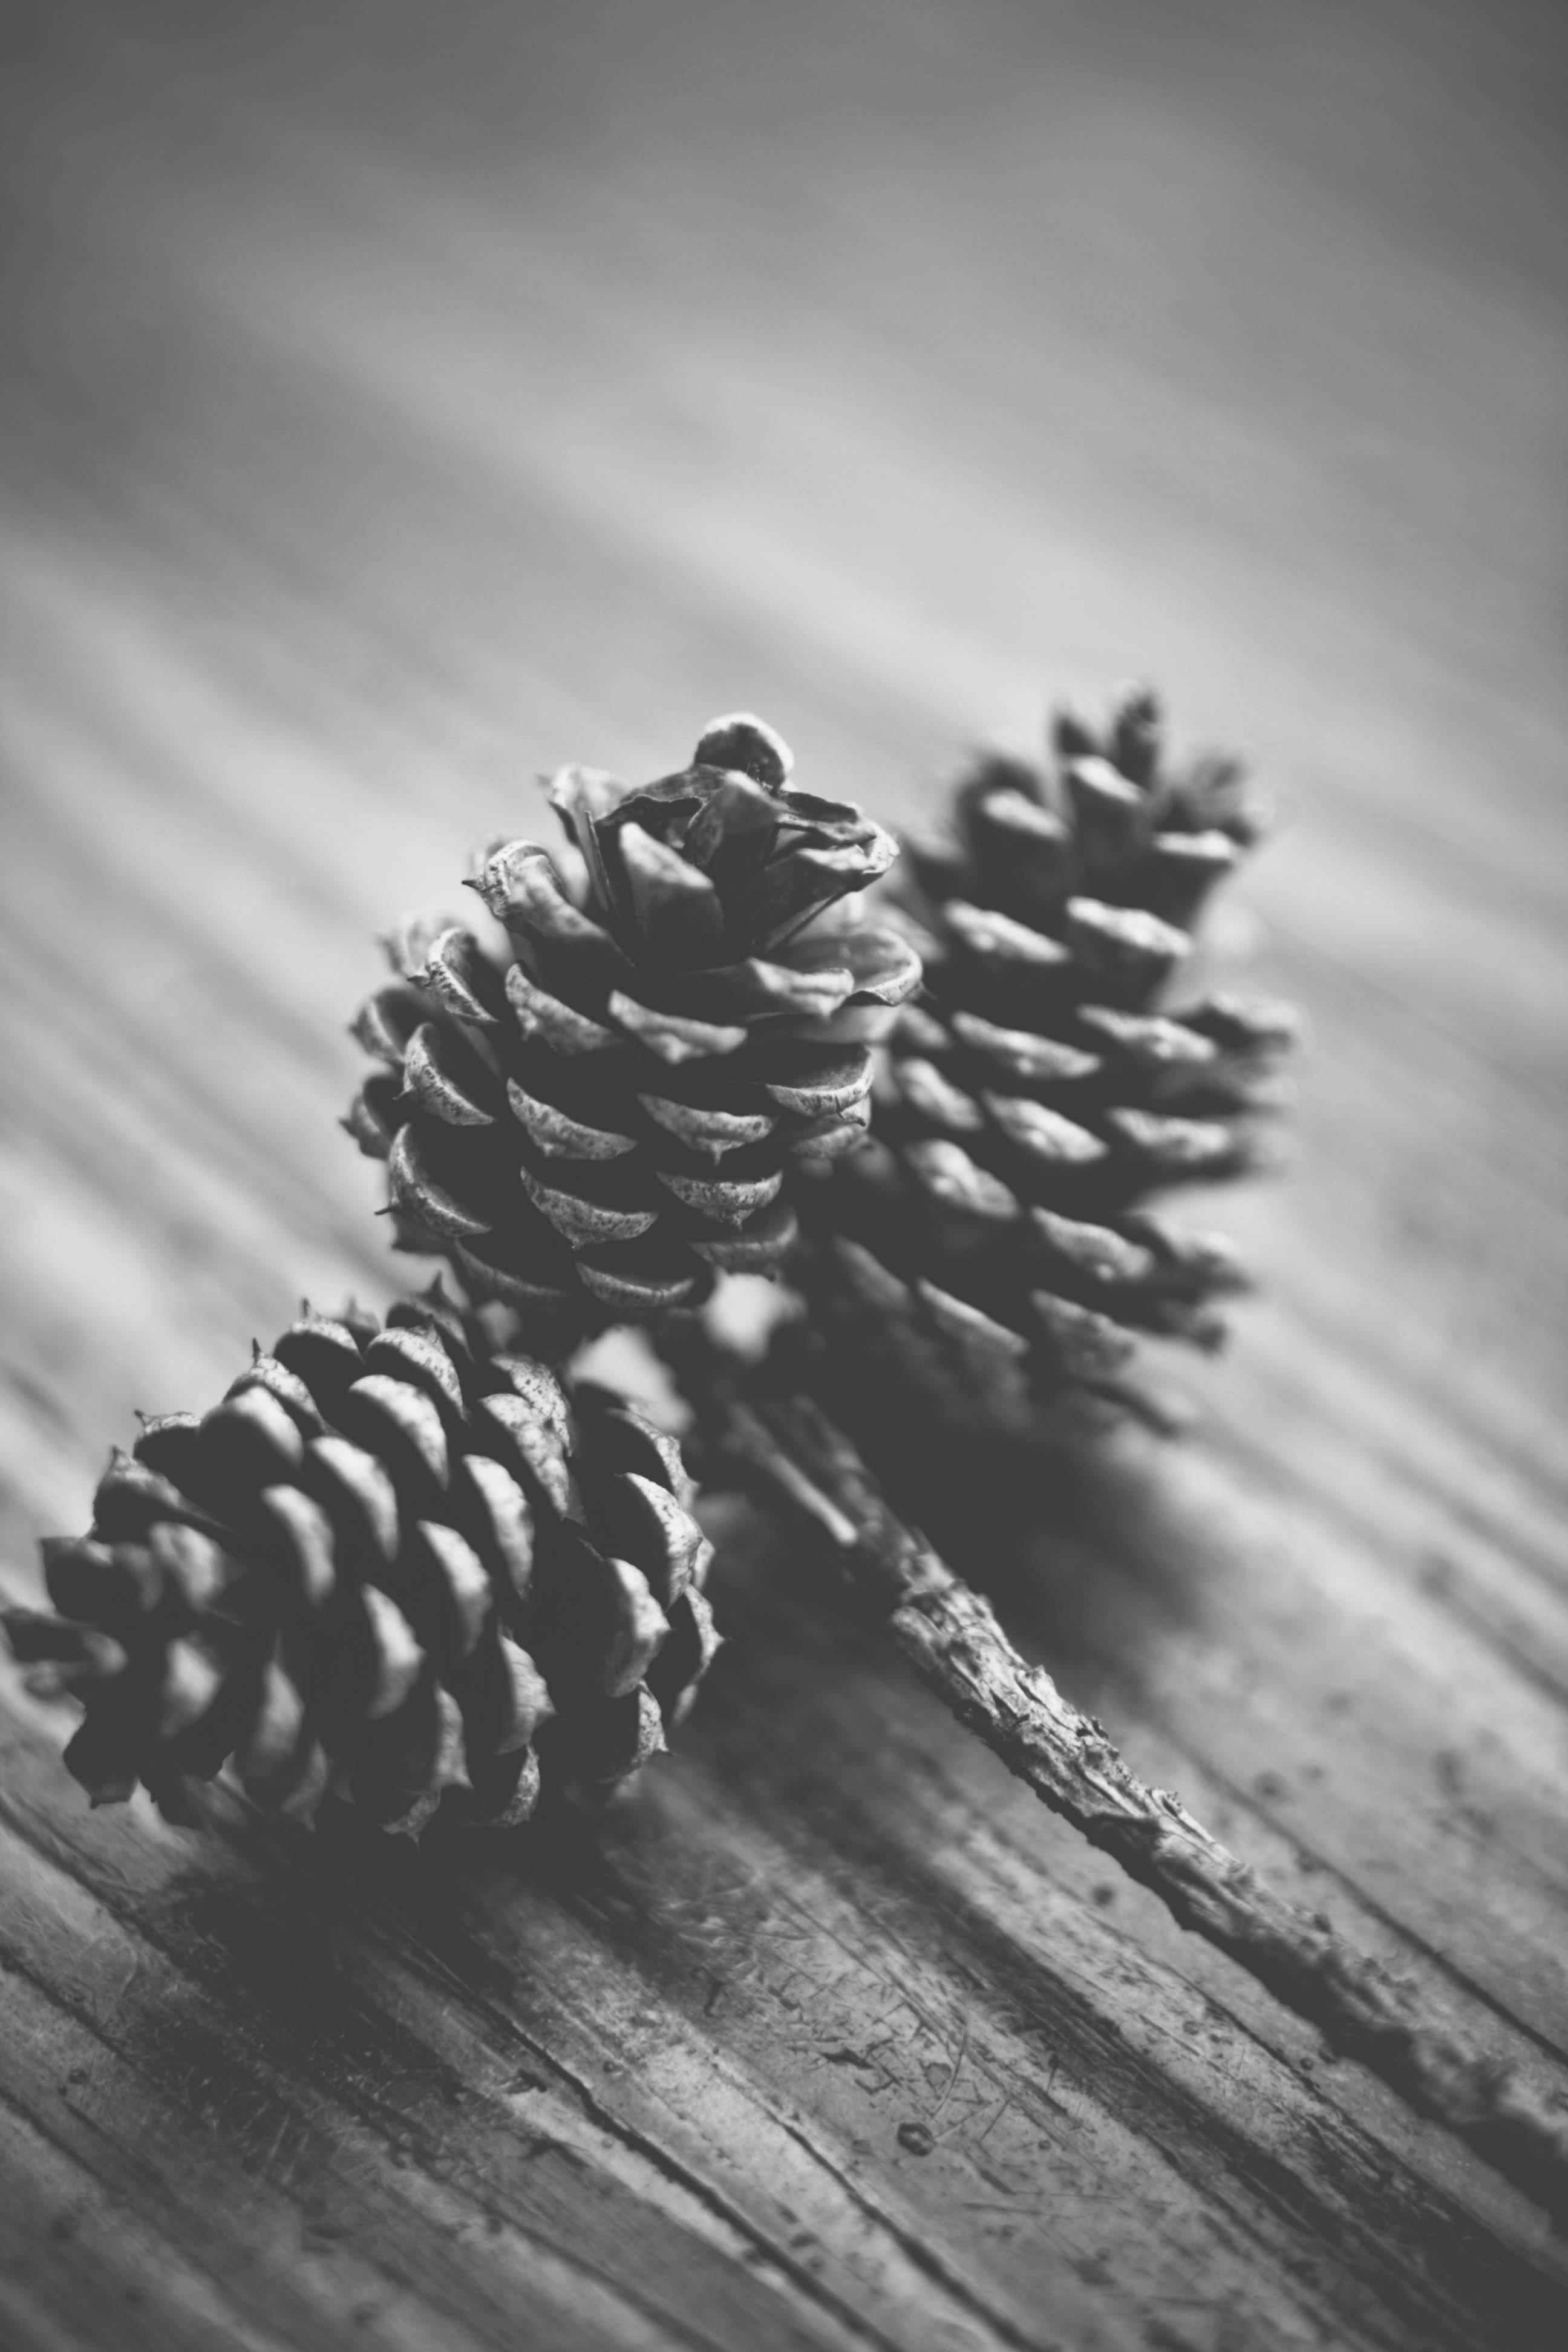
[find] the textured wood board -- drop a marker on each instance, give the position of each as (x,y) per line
(402,401)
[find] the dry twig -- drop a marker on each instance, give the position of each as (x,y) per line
(785,1449)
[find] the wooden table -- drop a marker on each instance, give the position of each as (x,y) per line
(405,399)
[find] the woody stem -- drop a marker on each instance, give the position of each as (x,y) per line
(788,1453)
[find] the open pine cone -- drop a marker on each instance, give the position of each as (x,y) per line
(389,1568)
(993,1247)
(601,1122)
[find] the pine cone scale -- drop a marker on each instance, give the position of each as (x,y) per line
(755,1247)
(594,1202)
(557,1133)
(556,1025)
(712,1128)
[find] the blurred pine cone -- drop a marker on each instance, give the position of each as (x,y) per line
(993,1247)
(389,1567)
(600,1121)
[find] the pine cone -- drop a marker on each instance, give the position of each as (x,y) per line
(389,1567)
(994,1245)
(601,1122)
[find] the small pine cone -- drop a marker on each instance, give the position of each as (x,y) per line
(993,1244)
(592,1126)
(390,1568)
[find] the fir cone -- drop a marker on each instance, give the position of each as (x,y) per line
(598,1120)
(390,1568)
(993,1245)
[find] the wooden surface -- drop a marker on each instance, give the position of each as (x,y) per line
(403,400)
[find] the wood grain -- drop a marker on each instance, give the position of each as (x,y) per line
(403,400)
